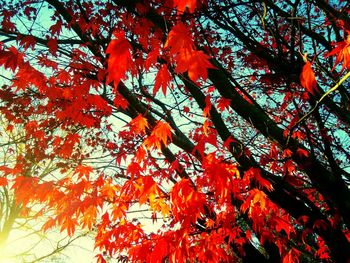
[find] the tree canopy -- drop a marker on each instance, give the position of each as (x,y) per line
(222,124)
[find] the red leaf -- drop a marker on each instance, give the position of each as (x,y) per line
(162,80)
(342,51)
(195,62)
(223,104)
(11,59)
(28,42)
(208,105)
(100,259)
(161,134)
(183,5)
(289,166)
(307,78)
(187,203)
(283,225)
(56,28)
(292,256)
(120,102)
(3,181)
(160,250)
(302,152)
(53,46)
(255,174)
(45,62)
(28,11)
(119,61)
(151,58)
(179,38)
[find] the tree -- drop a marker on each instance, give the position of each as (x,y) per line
(21,237)
(228,120)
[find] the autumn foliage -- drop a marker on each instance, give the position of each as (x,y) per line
(182,130)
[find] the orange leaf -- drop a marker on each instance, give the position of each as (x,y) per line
(3,181)
(147,187)
(162,131)
(209,223)
(83,170)
(161,134)
(69,225)
(139,124)
(256,198)
(307,78)
(50,223)
(100,258)
(342,51)
(89,217)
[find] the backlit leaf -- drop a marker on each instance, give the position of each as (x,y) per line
(307,78)
(119,60)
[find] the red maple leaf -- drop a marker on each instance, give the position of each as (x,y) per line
(119,61)
(11,58)
(160,251)
(162,131)
(3,181)
(162,80)
(53,46)
(151,58)
(223,104)
(161,134)
(56,28)
(179,38)
(182,5)
(28,42)
(194,62)
(139,124)
(189,5)
(120,101)
(100,258)
(50,223)
(307,77)
(83,170)
(255,174)
(342,51)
